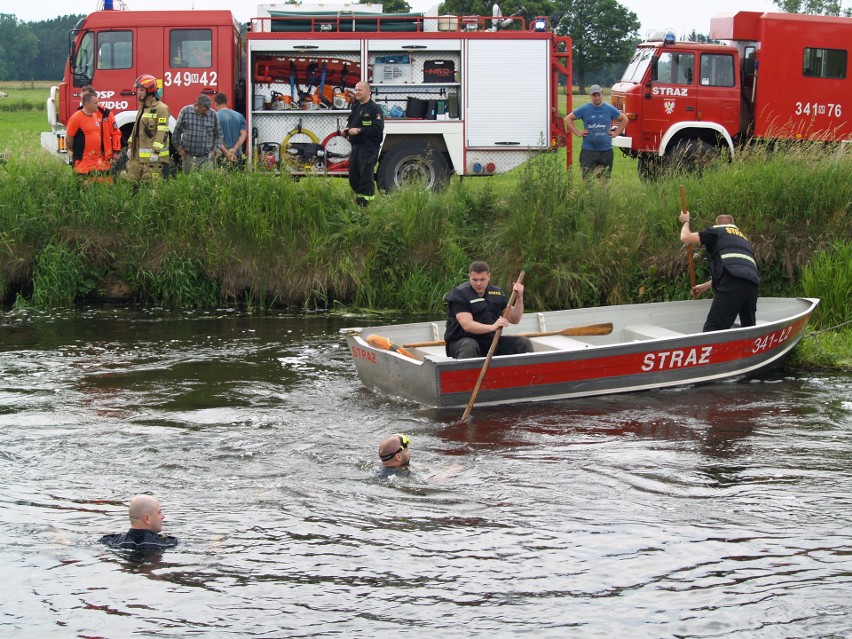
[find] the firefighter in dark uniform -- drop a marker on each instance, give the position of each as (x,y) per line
(474,313)
(364,130)
(733,271)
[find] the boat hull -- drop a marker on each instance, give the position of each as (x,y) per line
(651,346)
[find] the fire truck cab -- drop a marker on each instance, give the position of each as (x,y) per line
(189,52)
(784,76)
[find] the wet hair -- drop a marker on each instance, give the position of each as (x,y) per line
(479,267)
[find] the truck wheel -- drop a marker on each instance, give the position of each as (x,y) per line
(413,163)
(649,166)
(691,155)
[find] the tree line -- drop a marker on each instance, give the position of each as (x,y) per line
(34,50)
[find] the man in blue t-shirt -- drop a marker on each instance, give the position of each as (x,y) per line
(234,132)
(602,122)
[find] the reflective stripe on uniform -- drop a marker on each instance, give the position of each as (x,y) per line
(740,256)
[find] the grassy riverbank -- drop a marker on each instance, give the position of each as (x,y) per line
(259,241)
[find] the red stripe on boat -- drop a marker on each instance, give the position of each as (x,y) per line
(536,374)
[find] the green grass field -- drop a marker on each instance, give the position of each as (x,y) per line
(33,90)
(22,114)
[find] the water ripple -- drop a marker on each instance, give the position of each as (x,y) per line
(723,511)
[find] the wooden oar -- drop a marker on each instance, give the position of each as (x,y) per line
(491,350)
(571,331)
(688,249)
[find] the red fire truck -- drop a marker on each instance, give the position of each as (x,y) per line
(437,78)
(190,52)
(784,76)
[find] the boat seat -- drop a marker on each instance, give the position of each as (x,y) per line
(635,332)
(435,352)
(557,343)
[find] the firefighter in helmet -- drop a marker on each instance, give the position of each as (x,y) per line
(148,144)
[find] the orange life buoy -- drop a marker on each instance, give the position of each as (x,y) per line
(377,341)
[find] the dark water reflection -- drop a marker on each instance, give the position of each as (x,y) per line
(719,511)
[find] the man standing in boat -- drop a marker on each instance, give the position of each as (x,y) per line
(474,313)
(733,271)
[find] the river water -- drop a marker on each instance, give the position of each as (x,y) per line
(716,511)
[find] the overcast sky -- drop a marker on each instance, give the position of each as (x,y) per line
(681,15)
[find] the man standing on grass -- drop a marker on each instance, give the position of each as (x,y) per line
(597,134)
(198,135)
(148,144)
(365,131)
(110,125)
(234,133)
(90,144)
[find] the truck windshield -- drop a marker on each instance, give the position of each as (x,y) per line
(84,62)
(637,65)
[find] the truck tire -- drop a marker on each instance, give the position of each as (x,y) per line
(649,165)
(690,155)
(410,163)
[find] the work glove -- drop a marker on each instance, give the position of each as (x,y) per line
(127,153)
(155,157)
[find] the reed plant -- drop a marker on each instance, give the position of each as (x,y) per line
(61,274)
(260,240)
(828,276)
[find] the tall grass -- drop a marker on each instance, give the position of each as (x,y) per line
(61,274)
(828,276)
(258,240)
(8,105)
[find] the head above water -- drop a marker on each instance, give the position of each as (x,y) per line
(145,513)
(394,451)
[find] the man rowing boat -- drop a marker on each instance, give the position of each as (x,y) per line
(474,313)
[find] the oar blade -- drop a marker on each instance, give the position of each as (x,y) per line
(591,329)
